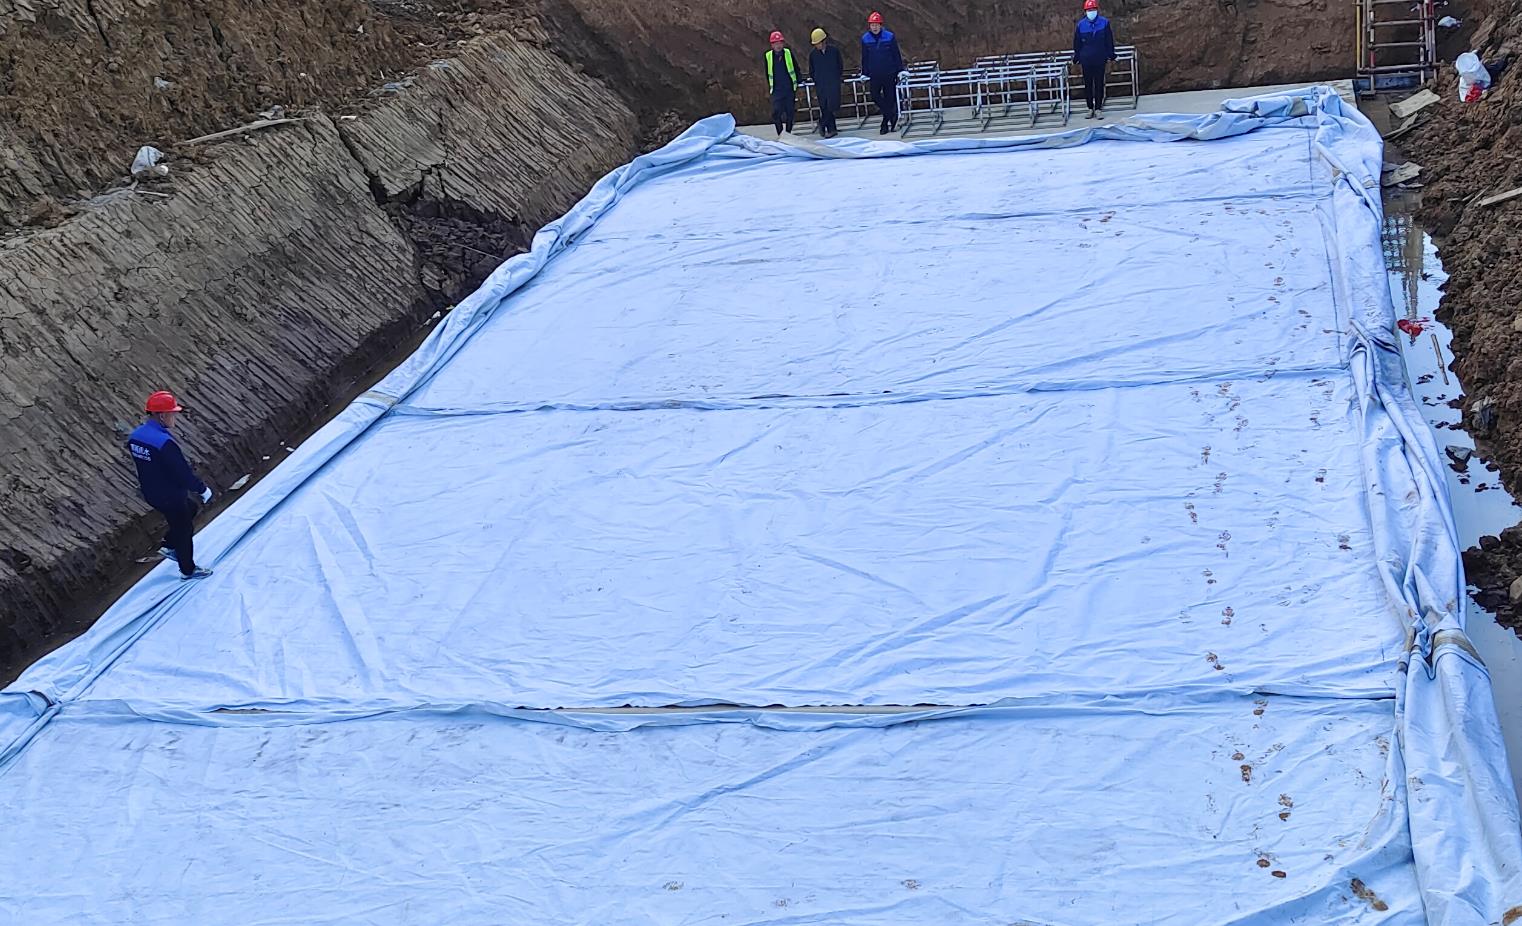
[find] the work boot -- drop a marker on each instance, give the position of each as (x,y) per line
(1090,115)
(200,573)
(883,130)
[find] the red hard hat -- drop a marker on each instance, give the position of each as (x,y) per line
(875,17)
(776,37)
(1090,5)
(162,402)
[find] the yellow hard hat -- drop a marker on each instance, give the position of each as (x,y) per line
(817,37)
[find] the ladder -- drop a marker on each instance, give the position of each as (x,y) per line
(1397,42)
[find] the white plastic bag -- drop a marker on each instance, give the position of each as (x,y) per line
(146,164)
(1474,80)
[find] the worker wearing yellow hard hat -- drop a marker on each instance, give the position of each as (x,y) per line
(827,68)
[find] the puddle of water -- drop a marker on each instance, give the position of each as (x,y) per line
(1480,505)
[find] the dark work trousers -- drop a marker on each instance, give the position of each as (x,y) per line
(829,102)
(1094,84)
(180,537)
(784,111)
(885,95)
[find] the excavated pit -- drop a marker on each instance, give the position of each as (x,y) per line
(273,274)
(1467,153)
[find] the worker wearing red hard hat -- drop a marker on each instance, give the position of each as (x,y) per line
(167,481)
(782,79)
(1093,49)
(882,62)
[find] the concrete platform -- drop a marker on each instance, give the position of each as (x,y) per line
(960,124)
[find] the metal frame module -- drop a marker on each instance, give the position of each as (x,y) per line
(1028,86)
(1397,42)
(1035,81)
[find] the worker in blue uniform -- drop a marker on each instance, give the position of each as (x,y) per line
(782,78)
(1093,49)
(882,62)
(167,481)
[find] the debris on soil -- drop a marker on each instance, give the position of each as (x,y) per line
(1414,104)
(1459,457)
(146,164)
(1494,570)
(1400,173)
(1482,417)
(1498,198)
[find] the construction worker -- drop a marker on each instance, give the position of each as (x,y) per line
(782,78)
(1093,49)
(827,68)
(882,62)
(167,480)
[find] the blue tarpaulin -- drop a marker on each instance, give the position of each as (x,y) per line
(1036,530)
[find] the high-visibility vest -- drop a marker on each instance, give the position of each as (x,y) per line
(771,70)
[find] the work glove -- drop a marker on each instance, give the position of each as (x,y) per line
(206,495)
(903,76)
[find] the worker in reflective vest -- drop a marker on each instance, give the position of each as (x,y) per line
(782,78)
(1093,49)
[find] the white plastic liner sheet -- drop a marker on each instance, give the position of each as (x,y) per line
(936,552)
(465,817)
(1106,431)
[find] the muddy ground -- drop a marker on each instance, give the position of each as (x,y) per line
(273,275)
(1467,152)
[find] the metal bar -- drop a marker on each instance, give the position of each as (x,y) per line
(1442,367)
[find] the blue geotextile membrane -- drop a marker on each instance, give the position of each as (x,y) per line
(1104,429)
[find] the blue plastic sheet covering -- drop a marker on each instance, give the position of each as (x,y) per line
(1052,509)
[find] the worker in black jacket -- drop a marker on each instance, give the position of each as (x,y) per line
(827,69)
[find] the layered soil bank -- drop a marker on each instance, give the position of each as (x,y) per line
(271,271)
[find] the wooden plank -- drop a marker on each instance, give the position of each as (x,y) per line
(1501,197)
(240,130)
(1413,104)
